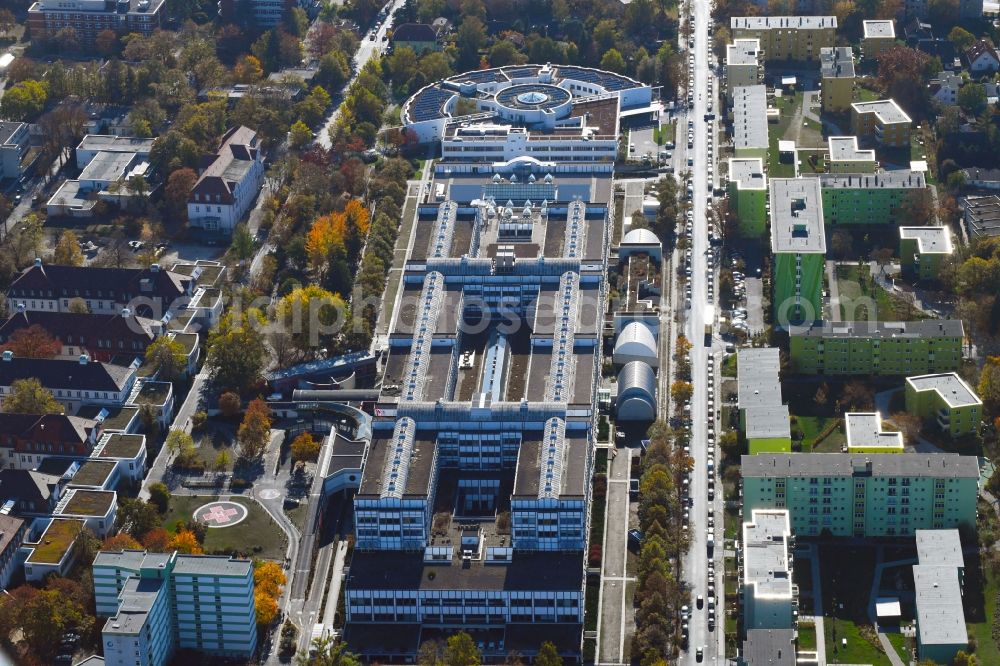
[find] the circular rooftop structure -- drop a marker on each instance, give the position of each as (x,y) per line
(533,96)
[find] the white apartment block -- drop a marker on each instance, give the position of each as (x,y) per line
(769,597)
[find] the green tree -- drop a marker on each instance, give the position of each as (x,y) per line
(326,652)
(300,136)
(28,396)
(972,98)
(177,441)
(504,53)
(470,38)
(136,517)
(462,651)
(24,101)
(961,38)
(613,61)
(548,656)
(159,496)
(242,246)
(168,356)
(237,353)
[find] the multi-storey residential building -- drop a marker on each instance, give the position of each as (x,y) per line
(879,36)
(768,647)
(867,198)
(747,193)
(922,249)
(844,156)
(750,121)
(769,598)
(799,247)
(497,422)
(72,383)
(981,216)
(876,347)
(14,141)
(744,65)
(100,336)
(27,439)
(787,37)
(939,581)
(228,186)
(146,292)
(881,121)
(864,495)
(763,418)
(88,18)
(865,434)
(947,400)
(157,603)
(836,66)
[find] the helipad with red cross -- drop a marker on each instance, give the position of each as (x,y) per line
(220,514)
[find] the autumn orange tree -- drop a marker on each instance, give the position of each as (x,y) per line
(305,448)
(157,540)
(120,541)
(269,581)
(185,541)
(33,342)
(334,241)
(255,430)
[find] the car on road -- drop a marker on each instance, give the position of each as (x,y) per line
(700,601)
(699,654)
(635,538)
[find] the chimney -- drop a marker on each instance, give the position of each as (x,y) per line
(126,313)
(154,268)
(38,261)
(84,359)
(20,306)
(8,355)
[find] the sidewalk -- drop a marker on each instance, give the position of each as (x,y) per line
(831,279)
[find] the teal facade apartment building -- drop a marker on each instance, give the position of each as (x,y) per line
(157,603)
(799,248)
(860,495)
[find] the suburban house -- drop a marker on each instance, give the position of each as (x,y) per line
(417,36)
(27,439)
(982,57)
(72,383)
(100,336)
(29,492)
(147,292)
(228,184)
(944,87)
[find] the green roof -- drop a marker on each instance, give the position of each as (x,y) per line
(56,541)
(153,393)
(122,446)
(117,418)
(94,473)
(89,503)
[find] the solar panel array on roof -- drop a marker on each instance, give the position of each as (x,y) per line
(522,72)
(607,80)
(484,76)
(428,105)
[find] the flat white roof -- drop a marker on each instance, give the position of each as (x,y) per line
(930,240)
(949,386)
(886,110)
(879,28)
(766,564)
(864,429)
(845,149)
(797,216)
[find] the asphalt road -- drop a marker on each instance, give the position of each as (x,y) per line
(702,312)
(370,48)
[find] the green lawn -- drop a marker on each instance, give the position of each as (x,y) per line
(805,166)
(776,132)
(813,426)
(986,648)
(901,644)
(665,132)
(258,535)
(807,636)
(858,649)
(859,303)
(729,366)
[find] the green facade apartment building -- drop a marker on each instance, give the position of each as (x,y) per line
(922,249)
(876,347)
(867,198)
(864,495)
(946,399)
(763,419)
(747,192)
(799,248)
